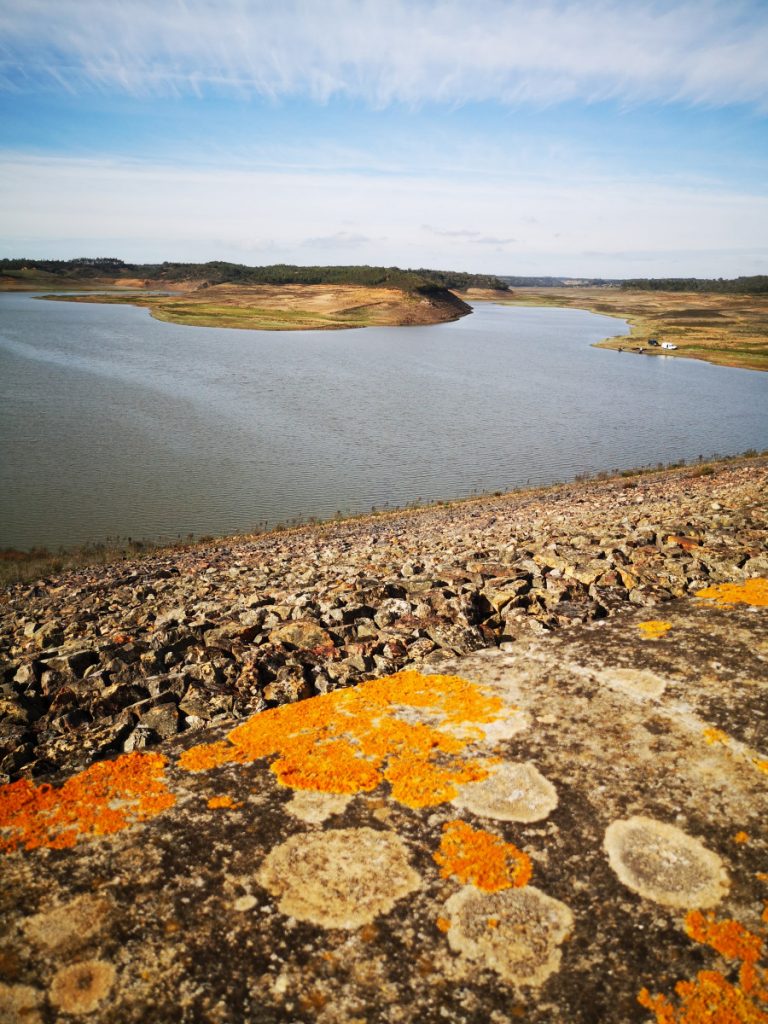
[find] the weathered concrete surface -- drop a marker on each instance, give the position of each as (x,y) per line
(560,832)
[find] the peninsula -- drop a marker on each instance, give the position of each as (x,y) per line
(275,298)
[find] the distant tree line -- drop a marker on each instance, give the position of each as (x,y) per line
(736,286)
(100,266)
(461,281)
(420,280)
(219,272)
(559,282)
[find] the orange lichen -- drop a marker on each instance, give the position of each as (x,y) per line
(713,735)
(762,766)
(741,837)
(396,729)
(708,1000)
(222,801)
(754,592)
(728,937)
(485,860)
(686,543)
(105,798)
(711,998)
(443,924)
(654,628)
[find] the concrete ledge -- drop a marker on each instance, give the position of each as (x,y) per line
(572,830)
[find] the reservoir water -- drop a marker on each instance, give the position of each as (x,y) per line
(114,424)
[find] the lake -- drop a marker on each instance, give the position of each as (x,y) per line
(114,424)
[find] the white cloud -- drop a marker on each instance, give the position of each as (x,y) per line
(338,240)
(67,207)
(385,51)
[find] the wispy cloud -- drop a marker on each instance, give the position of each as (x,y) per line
(338,240)
(450,232)
(393,51)
(494,240)
(145,211)
(475,237)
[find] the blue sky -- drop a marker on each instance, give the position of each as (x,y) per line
(588,139)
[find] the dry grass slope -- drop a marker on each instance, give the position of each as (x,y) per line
(292,307)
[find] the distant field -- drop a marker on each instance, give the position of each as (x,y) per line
(290,307)
(730,330)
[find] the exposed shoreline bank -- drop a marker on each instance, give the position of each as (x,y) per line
(263,307)
(39,561)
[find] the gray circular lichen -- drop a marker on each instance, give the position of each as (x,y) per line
(20,1003)
(514,792)
(82,987)
(69,925)
(664,864)
(640,683)
(516,932)
(314,808)
(341,878)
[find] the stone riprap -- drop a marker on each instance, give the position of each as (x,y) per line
(120,658)
(573,829)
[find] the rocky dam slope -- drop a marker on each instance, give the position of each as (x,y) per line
(543,800)
(117,658)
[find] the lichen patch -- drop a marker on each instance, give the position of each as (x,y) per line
(512,792)
(713,735)
(107,797)
(476,856)
(635,682)
(522,945)
(20,1004)
(753,592)
(411,730)
(662,863)
(652,629)
(315,808)
(70,925)
(217,802)
(711,997)
(513,722)
(83,987)
(339,879)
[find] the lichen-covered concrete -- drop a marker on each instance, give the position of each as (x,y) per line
(572,830)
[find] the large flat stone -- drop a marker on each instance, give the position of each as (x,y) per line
(611,788)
